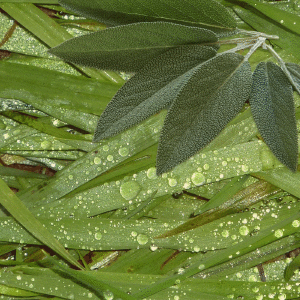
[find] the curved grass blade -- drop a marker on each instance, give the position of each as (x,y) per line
(273,110)
(283,18)
(128,48)
(209,100)
(291,268)
(152,89)
(112,12)
(294,70)
(21,213)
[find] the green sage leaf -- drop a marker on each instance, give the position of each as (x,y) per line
(113,12)
(210,99)
(273,110)
(153,88)
(128,48)
(294,70)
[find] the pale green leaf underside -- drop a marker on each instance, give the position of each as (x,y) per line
(211,98)
(114,12)
(272,106)
(128,48)
(153,88)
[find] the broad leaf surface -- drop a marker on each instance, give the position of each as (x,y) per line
(294,70)
(113,12)
(272,106)
(211,98)
(128,48)
(153,88)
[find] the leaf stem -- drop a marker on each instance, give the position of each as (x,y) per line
(260,41)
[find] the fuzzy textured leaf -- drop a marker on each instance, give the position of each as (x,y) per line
(153,88)
(127,48)
(211,98)
(112,12)
(273,110)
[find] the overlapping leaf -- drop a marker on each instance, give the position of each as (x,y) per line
(213,96)
(113,12)
(272,106)
(294,70)
(128,48)
(153,88)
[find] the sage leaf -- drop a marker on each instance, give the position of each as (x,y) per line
(294,70)
(115,12)
(127,48)
(273,110)
(153,88)
(209,100)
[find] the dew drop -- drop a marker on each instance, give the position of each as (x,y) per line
(198,178)
(278,233)
(129,190)
(224,163)
(123,151)
(110,157)
(19,277)
(46,144)
(206,167)
(97,160)
(108,295)
(142,239)
(70,177)
(153,248)
(105,148)
(296,223)
(98,236)
(245,168)
(244,230)
(201,267)
(151,173)
(133,233)
(225,233)
(172,182)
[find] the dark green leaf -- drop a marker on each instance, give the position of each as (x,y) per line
(128,48)
(210,99)
(294,70)
(113,12)
(153,88)
(273,110)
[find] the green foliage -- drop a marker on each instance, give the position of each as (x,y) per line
(223,211)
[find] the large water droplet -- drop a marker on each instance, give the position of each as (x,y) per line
(46,144)
(142,239)
(151,173)
(198,178)
(98,236)
(129,190)
(123,151)
(244,230)
(172,182)
(97,160)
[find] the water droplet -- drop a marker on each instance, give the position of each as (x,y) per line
(133,233)
(151,173)
(206,167)
(282,296)
(70,177)
(97,160)
(198,178)
(224,163)
(105,148)
(129,190)
(108,295)
(225,233)
(19,277)
(46,144)
(196,249)
(245,168)
(244,230)
(153,248)
(90,295)
(296,223)
(98,236)
(110,157)
(278,233)
(123,151)
(142,239)
(201,267)
(172,182)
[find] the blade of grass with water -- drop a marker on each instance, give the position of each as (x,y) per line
(20,212)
